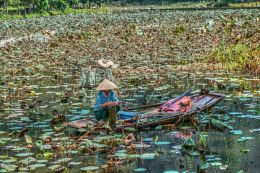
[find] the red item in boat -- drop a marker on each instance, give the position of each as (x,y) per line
(177,106)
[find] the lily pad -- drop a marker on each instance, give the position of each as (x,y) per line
(28,160)
(131,156)
(38,165)
(236,132)
(162,143)
(89,168)
(170,171)
(223,167)
(148,156)
(205,166)
(24,154)
(74,163)
(140,169)
(53,167)
(245,138)
(195,153)
(215,163)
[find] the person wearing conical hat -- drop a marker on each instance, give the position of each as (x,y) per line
(105,100)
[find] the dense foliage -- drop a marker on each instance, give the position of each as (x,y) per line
(16,6)
(165,38)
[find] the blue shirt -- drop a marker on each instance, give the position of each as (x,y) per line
(102,98)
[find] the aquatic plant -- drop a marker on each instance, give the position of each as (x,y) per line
(237,57)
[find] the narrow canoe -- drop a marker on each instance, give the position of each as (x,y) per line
(150,116)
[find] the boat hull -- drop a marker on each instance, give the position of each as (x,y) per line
(200,103)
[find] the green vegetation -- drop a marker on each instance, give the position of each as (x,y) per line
(35,8)
(54,13)
(237,57)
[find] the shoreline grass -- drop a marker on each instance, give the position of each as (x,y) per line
(115,8)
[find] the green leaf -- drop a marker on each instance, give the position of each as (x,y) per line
(205,166)
(245,138)
(241,171)
(28,139)
(47,155)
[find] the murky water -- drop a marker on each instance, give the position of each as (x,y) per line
(242,109)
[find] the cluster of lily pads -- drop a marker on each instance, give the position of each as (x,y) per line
(149,41)
(41,61)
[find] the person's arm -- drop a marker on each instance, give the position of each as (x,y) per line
(98,102)
(115,100)
(114,97)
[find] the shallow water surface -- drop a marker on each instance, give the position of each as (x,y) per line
(240,107)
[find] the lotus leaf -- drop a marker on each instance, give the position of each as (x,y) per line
(54,167)
(162,143)
(205,166)
(245,138)
(216,164)
(140,169)
(236,132)
(36,166)
(223,167)
(48,155)
(89,168)
(24,154)
(74,163)
(28,160)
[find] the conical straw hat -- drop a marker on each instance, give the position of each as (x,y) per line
(106,85)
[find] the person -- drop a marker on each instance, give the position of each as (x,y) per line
(106,101)
(90,75)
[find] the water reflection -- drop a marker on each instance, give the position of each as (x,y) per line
(241,107)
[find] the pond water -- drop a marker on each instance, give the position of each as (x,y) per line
(228,151)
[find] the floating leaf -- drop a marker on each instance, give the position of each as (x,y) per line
(28,160)
(48,155)
(241,171)
(215,163)
(140,169)
(205,166)
(162,143)
(245,138)
(38,165)
(254,130)
(158,127)
(245,151)
(223,167)
(28,139)
(236,132)
(89,168)
(133,156)
(148,156)
(74,163)
(54,167)
(195,153)
(9,168)
(24,154)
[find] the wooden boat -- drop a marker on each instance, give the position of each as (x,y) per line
(150,115)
